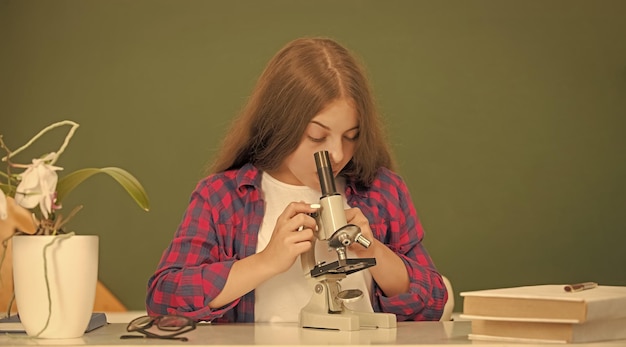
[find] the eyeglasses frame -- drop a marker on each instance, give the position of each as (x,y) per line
(154,321)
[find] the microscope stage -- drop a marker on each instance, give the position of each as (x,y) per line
(347,266)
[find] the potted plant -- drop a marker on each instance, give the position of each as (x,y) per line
(54,271)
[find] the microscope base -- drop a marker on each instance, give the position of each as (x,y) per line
(326,311)
(346,320)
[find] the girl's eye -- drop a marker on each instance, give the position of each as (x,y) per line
(352,138)
(316,139)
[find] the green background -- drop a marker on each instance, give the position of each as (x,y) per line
(507,118)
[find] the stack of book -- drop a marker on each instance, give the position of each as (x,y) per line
(546,313)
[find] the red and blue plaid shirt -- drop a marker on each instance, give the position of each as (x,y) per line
(221,225)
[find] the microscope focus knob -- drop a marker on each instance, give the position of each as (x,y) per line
(344,239)
(363,241)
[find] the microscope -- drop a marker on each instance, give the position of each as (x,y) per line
(326,308)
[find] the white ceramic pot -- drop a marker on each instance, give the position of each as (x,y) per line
(72,270)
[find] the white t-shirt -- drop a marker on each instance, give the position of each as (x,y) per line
(281,298)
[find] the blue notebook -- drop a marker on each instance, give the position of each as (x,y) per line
(12,324)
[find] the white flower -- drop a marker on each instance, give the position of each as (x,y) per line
(38,185)
(3,206)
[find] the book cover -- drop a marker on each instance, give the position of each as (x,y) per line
(545,303)
(12,324)
(593,331)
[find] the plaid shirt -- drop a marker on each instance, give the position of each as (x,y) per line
(221,225)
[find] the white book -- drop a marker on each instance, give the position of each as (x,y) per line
(542,332)
(545,303)
(12,324)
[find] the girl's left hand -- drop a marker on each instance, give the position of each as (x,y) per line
(390,272)
(356,217)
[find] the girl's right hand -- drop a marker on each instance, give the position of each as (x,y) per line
(287,241)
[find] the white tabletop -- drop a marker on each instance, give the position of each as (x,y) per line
(235,335)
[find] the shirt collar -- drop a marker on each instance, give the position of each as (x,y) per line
(353,189)
(248,175)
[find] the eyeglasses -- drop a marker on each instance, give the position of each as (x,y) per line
(171,326)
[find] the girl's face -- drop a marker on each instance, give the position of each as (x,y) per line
(335,129)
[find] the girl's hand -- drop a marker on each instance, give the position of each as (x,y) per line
(287,241)
(390,272)
(356,217)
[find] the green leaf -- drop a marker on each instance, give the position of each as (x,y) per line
(8,190)
(123,177)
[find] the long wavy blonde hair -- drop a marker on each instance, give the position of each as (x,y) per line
(298,82)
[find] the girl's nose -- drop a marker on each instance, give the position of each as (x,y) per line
(336,153)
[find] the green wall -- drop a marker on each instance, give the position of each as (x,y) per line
(507,117)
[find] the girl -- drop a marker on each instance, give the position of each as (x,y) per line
(235,255)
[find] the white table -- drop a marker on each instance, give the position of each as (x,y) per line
(235,335)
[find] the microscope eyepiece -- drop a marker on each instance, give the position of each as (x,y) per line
(325,173)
